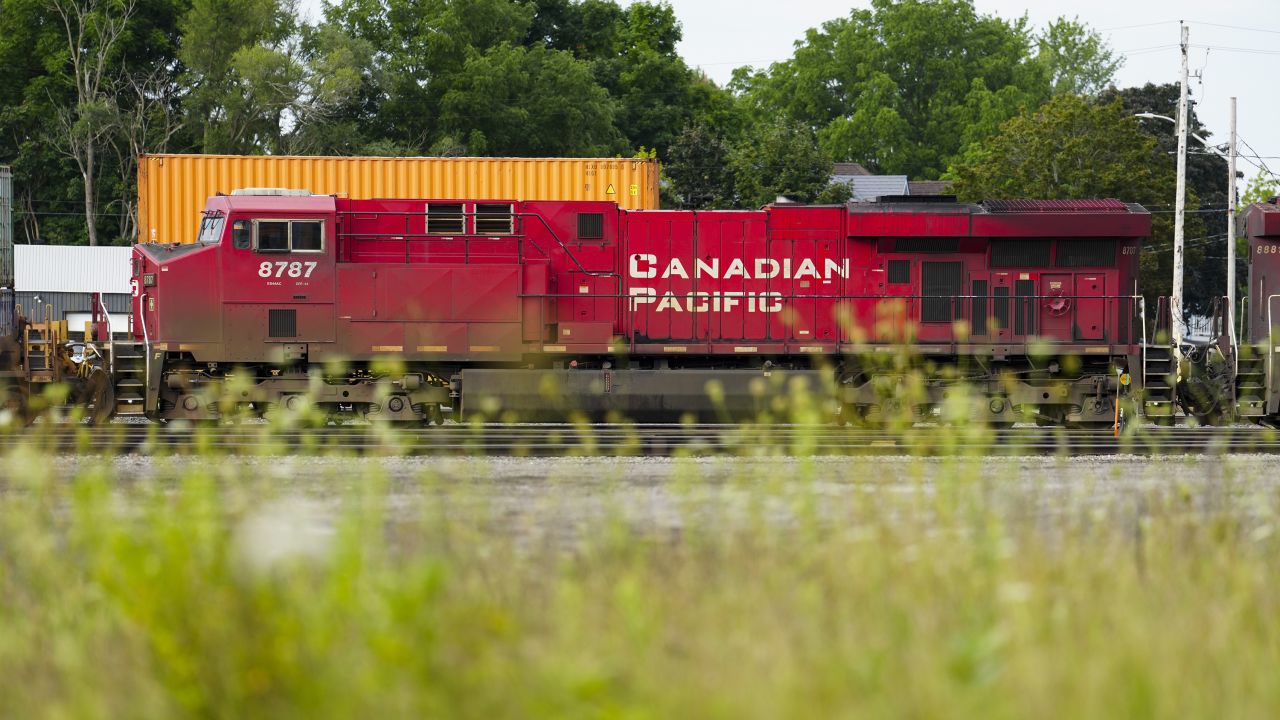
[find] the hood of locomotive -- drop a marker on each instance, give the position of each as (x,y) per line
(163,275)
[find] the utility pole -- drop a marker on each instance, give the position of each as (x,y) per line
(1180,206)
(1231,220)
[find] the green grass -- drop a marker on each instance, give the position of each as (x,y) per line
(866,588)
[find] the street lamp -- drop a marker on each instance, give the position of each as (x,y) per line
(1205,143)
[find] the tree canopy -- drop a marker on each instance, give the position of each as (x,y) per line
(1073,147)
(906,87)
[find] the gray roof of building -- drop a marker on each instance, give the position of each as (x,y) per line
(850,168)
(67,268)
(867,187)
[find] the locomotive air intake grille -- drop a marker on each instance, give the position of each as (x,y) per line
(590,226)
(1024,317)
(1020,253)
(1086,253)
(282,323)
(979,307)
(940,283)
(926,245)
(899,271)
(1001,300)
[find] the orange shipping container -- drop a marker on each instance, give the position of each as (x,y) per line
(172,189)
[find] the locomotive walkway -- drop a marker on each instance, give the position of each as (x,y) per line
(635,440)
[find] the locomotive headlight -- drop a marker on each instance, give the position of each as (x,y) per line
(148,279)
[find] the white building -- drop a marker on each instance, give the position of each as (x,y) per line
(60,279)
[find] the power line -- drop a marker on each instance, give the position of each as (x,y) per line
(1235,27)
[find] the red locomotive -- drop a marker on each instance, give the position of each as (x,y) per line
(410,310)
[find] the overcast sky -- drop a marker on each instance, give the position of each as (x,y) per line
(1241,61)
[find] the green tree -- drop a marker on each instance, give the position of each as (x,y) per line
(1206,177)
(514,100)
(1074,148)
(1264,186)
(69,110)
(421,50)
(906,87)
(779,159)
(241,71)
(633,56)
(697,165)
(1076,58)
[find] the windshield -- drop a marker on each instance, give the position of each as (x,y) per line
(211,229)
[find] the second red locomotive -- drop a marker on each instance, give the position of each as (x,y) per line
(413,310)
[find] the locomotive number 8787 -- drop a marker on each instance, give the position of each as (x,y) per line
(416,310)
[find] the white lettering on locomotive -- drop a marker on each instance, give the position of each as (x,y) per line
(280,268)
(646,266)
(763,302)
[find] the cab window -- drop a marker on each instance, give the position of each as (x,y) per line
(282,236)
(240,234)
(211,229)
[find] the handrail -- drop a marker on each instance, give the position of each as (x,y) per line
(1271,355)
(1244,300)
(1142,309)
(1234,343)
(146,351)
(106,314)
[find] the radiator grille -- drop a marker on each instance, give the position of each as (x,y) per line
(1024,316)
(1020,253)
(282,323)
(899,271)
(926,245)
(590,226)
(980,307)
(940,283)
(1086,253)
(1001,295)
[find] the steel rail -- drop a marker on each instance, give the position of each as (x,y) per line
(651,440)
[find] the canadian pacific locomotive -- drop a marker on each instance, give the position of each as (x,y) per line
(417,310)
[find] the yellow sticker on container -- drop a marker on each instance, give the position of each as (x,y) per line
(610,191)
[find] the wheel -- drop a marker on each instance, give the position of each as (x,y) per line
(99,397)
(15,402)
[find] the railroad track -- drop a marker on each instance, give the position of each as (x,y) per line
(644,440)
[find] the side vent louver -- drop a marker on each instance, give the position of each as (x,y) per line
(282,323)
(590,226)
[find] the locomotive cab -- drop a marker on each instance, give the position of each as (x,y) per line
(257,286)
